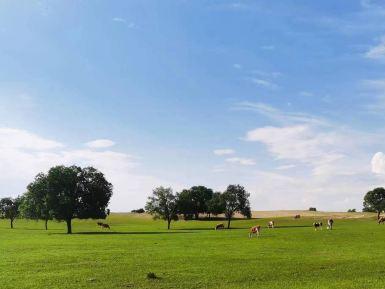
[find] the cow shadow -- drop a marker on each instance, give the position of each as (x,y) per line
(296,226)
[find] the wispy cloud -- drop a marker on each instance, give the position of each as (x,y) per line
(237,66)
(279,115)
(100,143)
(222,152)
(241,161)
(124,21)
(264,83)
(375,92)
(377,51)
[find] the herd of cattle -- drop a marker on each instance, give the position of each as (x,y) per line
(256,230)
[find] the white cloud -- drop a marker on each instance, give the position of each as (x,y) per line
(100,143)
(301,143)
(241,161)
(285,167)
(21,139)
(24,154)
(378,163)
(237,66)
(264,83)
(378,51)
(222,152)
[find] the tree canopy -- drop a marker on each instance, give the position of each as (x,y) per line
(75,192)
(236,200)
(163,205)
(374,201)
(9,208)
(35,200)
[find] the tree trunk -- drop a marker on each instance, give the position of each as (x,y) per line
(168,224)
(196,216)
(46,224)
(69,226)
(378,215)
(11,223)
(228,223)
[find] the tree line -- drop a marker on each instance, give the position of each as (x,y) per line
(62,194)
(198,200)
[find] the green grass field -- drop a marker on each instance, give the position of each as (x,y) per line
(192,255)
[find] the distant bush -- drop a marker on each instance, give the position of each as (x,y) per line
(138,211)
(151,275)
(312,209)
(352,211)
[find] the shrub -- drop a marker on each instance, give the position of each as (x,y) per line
(151,275)
(352,211)
(312,209)
(138,211)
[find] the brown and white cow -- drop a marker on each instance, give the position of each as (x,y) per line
(256,230)
(219,226)
(270,225)
(381,220)
(330,224)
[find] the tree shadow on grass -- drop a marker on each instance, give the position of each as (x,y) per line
(124,233)
(209,229)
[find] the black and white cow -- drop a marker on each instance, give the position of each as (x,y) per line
(317,225)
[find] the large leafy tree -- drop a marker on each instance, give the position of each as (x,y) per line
(374,201)
(200,195)
(35,201)
(236,200)
(216,205)
(163,205)
(9,208)
(75,192)
(185,204)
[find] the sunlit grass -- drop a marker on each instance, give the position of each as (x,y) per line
(192,255)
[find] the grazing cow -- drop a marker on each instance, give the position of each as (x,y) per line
(330,224)
(270,225)
(381,220)
(254,231)
(99,223)
(297,216)
(317,225)
(106,226)
(219,226)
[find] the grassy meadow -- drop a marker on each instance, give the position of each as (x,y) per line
(192,254)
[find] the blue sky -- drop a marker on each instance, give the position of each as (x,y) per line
(284,97)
